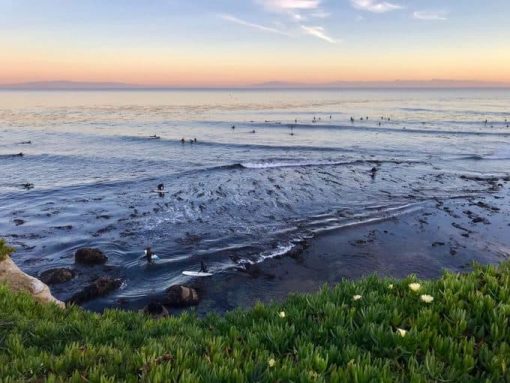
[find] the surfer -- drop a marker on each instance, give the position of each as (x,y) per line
(149,255)
(373,172)
(352,120)
(183,140)
(203,267)
(233,127)
(27,186)
(161,187)
(195,139)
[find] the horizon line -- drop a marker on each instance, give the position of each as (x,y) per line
(339,84)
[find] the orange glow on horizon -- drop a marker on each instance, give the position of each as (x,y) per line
(154,68)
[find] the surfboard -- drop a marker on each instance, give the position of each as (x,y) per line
(196,274)
(159,191)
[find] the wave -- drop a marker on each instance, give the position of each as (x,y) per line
(269,165)
(289,164)
(498,155)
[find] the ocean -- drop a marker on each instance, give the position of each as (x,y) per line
(269,171)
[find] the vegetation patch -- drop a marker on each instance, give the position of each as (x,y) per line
(5,250)
(454,329)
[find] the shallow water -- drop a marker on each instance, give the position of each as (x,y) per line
(233,197)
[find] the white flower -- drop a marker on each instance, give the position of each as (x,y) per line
(414,286)
(282,314)
(271,362)
(390,286)
(401,332)
(356,297)
(426,298)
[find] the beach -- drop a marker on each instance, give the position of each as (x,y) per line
(282,192)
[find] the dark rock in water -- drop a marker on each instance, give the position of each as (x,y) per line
(156,309)
(55,276)
(480,220)
(180,296)
(252,269)
(89,256)
(98,288)
(18,222)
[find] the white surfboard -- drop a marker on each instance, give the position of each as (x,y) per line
(196,274)
(159,191)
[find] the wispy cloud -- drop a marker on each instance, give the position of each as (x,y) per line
(430,15)
(290,5)
(375,6)
(249,24)
(301,12)
(318,32)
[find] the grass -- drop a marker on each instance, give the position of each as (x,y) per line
(371,330)
(5,250)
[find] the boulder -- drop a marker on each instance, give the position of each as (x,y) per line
(98,288)
(18,281)
(56,276)
(181,296)
(156,310)
(89,256)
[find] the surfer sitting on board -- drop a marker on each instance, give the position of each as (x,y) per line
(203,267)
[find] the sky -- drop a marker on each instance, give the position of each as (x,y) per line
(244,42)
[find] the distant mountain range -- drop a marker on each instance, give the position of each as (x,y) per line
(435,83)
(387,84)
(56,85)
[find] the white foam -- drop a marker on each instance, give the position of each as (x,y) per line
(268,164)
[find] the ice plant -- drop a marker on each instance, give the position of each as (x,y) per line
(390,286)
(414,286)
(426,298)
(282,314)
(356,297)
(271,362)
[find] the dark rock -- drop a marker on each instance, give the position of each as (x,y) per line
(481,220)
(98,288)
(156,310)
(89,256)
(252,269)
(18,222)
(180,296)
(55,276)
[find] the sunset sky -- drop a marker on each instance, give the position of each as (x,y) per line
(234,42)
